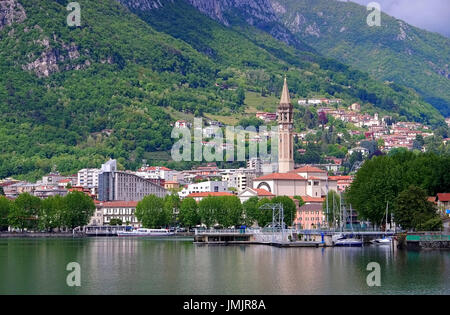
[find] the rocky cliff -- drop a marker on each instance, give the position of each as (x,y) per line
(11,12)
(258,13)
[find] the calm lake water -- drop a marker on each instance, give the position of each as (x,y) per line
(148,266)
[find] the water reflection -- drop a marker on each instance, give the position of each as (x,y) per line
(144,266)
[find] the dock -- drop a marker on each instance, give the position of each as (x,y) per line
(287,238)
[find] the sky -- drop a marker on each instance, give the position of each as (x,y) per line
(432,15)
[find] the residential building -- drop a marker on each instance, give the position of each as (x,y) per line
(200,195)
(443,202)
(182,124)
(343,182)
(171,185)
(239,179)
(114,185)
(204,187)
(309,216)
(87,177)
(361,150)
(123,210)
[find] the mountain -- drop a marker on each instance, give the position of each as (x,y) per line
(250,23)
(70,97)
(395,51)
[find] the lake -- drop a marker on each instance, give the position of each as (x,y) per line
(177,266)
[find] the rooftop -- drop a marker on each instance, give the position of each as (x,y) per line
(208,194)
(281,176)
(306,169)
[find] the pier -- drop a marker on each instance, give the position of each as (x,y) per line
(280,238)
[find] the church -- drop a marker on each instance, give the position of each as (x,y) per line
(288,181)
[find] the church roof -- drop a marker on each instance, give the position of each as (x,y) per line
(281,176)
(308,169)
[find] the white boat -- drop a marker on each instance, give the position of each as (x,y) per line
(382,241)
(146,232)
(342,240)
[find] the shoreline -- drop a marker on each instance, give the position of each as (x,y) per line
(65,235)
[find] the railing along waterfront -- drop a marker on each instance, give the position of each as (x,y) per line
(427,237)
(223,231)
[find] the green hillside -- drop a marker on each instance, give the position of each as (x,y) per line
(395,51)
(72,97)
(243,48)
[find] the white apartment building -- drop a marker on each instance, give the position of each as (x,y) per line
(88,177)
(239,178)
(160,172)
(209,186)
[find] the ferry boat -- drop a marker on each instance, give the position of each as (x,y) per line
(146,232)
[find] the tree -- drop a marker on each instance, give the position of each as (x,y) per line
(413,211)
(323,119)
(50,214)
(24,212)
(229,212)
(265,216)
(78,210)
(5,208)
(251,211)
(151,212)
(207,209)
(188,215)
(115,221)
(2,192)
(289,208)
(381,179)
(172,205)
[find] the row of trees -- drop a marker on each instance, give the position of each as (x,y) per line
(225,211)
(403,180)
(31,213)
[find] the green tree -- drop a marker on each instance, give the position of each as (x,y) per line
(78,210)
(381,179)
(251,211)
(151,212)
(189,216)
(289,208)
(172,205)
(115,221)
(51,213)
(265,216)
(5,208)
(24,212)
(2,192)
(207,209)
(413,210)
(229,213)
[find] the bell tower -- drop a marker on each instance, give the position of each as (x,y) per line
(285,132)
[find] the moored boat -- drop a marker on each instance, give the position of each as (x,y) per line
(343,240)
(382,241)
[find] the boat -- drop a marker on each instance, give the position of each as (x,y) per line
(382,241)
(146,232)
(342,240)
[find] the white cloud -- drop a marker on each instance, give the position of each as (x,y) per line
(433,15)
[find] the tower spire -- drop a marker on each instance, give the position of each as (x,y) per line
(285,98)
(285,132)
